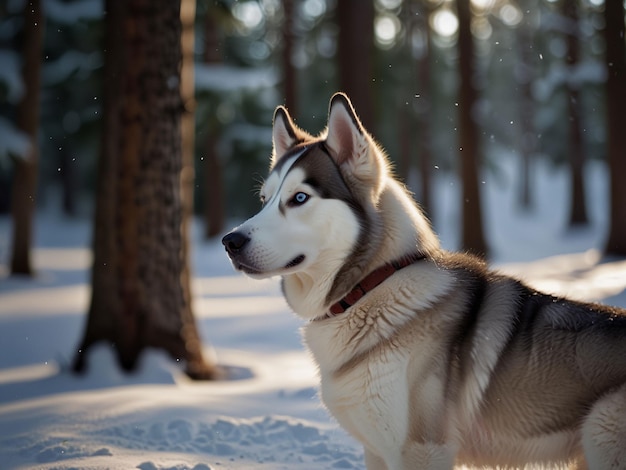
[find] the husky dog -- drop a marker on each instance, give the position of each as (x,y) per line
(427,357)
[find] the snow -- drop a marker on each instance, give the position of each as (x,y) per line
(12,141)
(70,13)
(71,62)
(575,77)
(10,65)
(223,78)
(268,416)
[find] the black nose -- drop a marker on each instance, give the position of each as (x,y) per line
(234,242)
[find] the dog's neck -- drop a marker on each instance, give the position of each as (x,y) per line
(404,231)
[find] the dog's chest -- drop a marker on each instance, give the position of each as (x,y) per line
(371,401)
(368,379)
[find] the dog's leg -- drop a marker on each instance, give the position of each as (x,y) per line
(604,432)
(427,456)
(579,464)
(373,462)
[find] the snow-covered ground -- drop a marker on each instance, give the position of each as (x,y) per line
(268,416)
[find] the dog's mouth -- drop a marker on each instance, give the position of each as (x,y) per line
(295,262)
(245,268)
(253,271)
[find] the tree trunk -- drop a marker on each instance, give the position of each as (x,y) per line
(214,190)
(213,176)
(196,365)
(472,238)
(141,294)
(355,19)
(104,302)
(525,72)
(289,71)
(616,116)
(578,210)
(424,106)
(24,191)
(404,142)
(68,180)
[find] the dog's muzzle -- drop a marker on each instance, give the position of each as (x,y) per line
(235,242)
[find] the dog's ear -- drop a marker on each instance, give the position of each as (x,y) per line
(345,132)
(285,134)
(352,147)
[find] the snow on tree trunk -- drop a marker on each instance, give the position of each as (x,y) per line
(141,293)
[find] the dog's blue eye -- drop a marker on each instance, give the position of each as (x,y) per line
(299,198)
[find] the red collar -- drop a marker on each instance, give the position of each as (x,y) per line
(370,281)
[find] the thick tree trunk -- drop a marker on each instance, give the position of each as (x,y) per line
(141,295)
(472,238)
(100,320)
(616,117)
(24,191)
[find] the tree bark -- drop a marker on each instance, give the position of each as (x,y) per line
(472,238)
(104,302)
(24,191)
(616,116)
(141,295)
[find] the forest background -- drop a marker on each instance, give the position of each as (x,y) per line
(539,70)
(448,86)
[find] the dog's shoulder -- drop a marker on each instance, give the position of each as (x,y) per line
(467,265)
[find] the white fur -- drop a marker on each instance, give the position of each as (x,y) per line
(320,230)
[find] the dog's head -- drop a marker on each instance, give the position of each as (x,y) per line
(318,201)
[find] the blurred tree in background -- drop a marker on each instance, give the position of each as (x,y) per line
(472,237)
(578,209)
(399,60)
(355,47)
(616,117)
(24,194)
